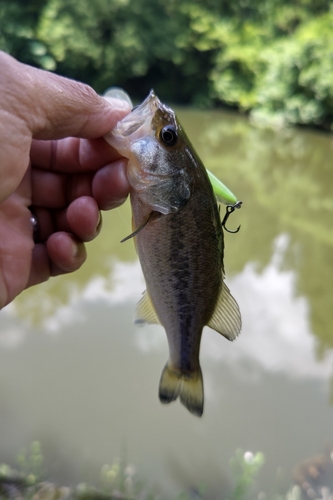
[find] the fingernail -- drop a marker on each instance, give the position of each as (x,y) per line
(120,201)
(118,93)
(115,203)
(99,223)
(77,249)
(118,103)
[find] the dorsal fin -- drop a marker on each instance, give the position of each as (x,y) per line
(226,318)
(145,312)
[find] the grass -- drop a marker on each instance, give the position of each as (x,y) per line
(119,481)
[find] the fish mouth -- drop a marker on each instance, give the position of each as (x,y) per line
(134,126)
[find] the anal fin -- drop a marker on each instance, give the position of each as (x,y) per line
(145,312)
(226,318)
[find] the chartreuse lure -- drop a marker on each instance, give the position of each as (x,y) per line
(224,195)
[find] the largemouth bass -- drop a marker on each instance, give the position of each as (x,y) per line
(179,241)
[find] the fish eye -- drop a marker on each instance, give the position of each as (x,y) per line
(169,135)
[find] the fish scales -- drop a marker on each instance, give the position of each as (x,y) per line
(179,241)
(182,273)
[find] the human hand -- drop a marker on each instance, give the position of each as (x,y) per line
(52,159)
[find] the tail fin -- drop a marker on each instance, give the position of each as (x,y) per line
(188,386)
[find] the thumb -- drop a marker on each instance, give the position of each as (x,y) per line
(54,107)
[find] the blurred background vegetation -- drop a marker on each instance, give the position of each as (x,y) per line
(272,58)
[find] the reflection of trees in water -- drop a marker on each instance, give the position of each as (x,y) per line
(285,180)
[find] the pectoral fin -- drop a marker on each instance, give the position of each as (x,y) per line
(226,318)
(151,217)
(138,229)
(145,312)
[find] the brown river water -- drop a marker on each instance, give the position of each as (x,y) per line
(79,377)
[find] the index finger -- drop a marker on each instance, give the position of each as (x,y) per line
(72,155)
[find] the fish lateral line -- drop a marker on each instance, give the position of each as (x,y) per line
(152,216)
(228,211)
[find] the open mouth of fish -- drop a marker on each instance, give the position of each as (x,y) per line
(136,125)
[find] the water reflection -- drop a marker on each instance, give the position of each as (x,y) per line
(276,320)
(286,176)
(276,326)
(77,375)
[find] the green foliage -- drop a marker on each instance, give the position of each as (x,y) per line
(30,463)
(18,23)
(297,85)
(120,482)
(280,69)
(245,467)
(270,57)
(120,479)
(109,42)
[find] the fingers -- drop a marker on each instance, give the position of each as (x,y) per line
(110,186)
(72,155)
(51,190)
(63,253)
(40,266)
(63,229)
(48,190)
(82,218)
(66,252)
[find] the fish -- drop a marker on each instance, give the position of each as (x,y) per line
(180,244)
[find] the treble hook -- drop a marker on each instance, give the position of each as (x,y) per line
(228,211)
